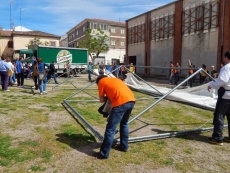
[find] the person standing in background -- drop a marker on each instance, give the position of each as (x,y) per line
(20,72)
(10,72)
(131,68)
(176,72)
(171,72)
(42,82)
(214,75)
(108,68)
(68,66)
(4,67)
(101,68)
(34,74)
(52,71)
(89,70)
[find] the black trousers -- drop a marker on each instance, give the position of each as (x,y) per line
(20,79)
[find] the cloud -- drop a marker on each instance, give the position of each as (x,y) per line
(59,16)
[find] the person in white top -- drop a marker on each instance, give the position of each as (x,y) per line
(8,60)
(222,84)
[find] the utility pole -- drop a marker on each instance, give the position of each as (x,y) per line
(21,17)
(11,22)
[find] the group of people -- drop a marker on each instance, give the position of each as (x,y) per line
(10,71)
(118,70)
(123,100)
(41,73)
(174,71)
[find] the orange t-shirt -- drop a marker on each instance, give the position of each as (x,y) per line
(116,90)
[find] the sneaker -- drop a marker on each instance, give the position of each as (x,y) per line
(41,93)
(44,92)
(99,156)
(119,148)
(227,139)
(214,141)
(6,90)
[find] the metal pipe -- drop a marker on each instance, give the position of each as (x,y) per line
(164,96)
(95,132)
(146,82)
(80,90)
(167,135)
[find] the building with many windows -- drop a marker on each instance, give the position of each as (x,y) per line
(115,32)
(195,30)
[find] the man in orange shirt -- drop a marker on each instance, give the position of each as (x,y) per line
(122,100)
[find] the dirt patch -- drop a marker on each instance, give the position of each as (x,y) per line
(189,153)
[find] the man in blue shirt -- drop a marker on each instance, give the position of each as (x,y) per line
(20,72)
(4,67)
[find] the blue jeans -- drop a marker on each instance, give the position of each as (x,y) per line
(42,84)
(89,75)
(222,109)
(170,77)
(119,114)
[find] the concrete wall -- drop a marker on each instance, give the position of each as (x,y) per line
(4,50)
(138,50)
(200,49)
(194,2)
(21,42)
(161,55)
(161,50)
(136,21)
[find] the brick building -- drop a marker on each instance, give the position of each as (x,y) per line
(114,30)
(198,30)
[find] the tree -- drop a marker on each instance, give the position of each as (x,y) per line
(37,41)
(96,43)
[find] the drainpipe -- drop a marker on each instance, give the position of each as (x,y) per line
(222,34)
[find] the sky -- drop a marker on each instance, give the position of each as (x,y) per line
(59,16)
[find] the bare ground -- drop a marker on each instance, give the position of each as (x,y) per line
(193,151)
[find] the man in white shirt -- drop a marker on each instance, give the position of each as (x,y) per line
(222,83)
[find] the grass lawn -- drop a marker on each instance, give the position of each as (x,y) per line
(40,134)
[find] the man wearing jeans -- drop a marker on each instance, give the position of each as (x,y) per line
(122,100)
(222,83)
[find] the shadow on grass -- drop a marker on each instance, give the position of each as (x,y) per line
(83,143)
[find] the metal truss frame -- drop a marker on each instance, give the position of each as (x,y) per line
(202,17)
(136,34)
(162,27)
(139,138)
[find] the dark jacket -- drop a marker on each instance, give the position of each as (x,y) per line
(52,68)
